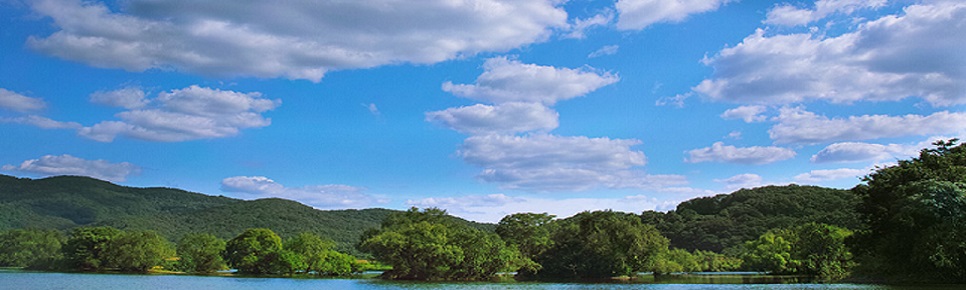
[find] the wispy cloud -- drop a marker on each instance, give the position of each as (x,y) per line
(69,165)
(319,196)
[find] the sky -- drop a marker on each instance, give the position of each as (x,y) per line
(483,108)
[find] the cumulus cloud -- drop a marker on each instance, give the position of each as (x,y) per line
(913,54)
(13,101)
(187,114)
(128,98)
(491,208)
(543,162)
(502,118)
(830,174)
(639,14)
(797,126)
(747,180)
(320,196)
(718,152)
(508,80)
(69,165)
(750,114)
(789,15)
(291,39)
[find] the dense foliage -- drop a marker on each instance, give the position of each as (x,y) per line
(86,247)
(201,253)
(811,249)
(916,215)
(36,249)
(530,234)
(66,202)
(725,221)
(137,251)
(602,244)
(428,245)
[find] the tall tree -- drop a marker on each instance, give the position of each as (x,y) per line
(201,253)
(813,249)
(85,246)
(36,249)
(253,251)
(602,244)
(427,245)
(317,255)
(137,251)
(916,212)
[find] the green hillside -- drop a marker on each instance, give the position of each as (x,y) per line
(718,222)
(65,202)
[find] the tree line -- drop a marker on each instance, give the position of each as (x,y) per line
(903,223)
(256,251)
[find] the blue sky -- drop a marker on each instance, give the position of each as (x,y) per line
(483,108)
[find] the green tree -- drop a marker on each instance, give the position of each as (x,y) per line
(336,264)
(201,253)
(253,251)
(35,249)
(811,249)
(317,255)
(137,251)
(916,213)
(428,245)
(85,246)
(715,262)
(530,234)
(602,244)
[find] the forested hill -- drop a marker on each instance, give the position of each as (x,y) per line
(718,222)
(65,202)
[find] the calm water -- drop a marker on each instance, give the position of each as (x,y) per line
(35,280)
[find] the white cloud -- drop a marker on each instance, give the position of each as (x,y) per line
(747,180)
(676,101)
(502,118)
(789,15)
(750,114)
(187,114)
(20,103)
(579,28)
(544,162)
(320,196)
(291,39)
(830,174)
(69,165)
(128,98)
(797,126)
(507,80)
(491,208)
(736,135)
(41,122)
(372,109)
(718,152)
(606,50)
(639,14)
(858,151)
(914,54)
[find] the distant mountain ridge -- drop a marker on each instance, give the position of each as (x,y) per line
(64,202)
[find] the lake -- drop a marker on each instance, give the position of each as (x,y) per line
(44,280)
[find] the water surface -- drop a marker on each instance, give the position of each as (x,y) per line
(45,280)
